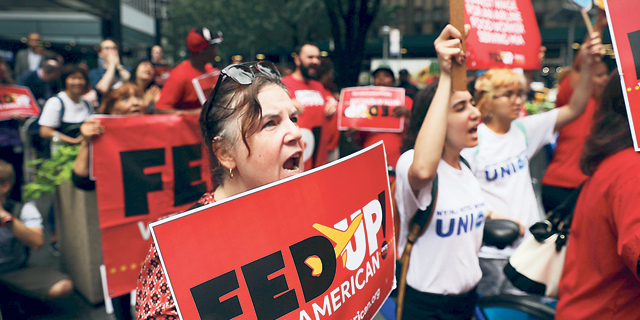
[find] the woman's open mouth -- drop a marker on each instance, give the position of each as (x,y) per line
(292,164)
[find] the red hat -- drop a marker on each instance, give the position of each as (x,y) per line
(199,39)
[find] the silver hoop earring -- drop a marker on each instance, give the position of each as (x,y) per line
(231,173)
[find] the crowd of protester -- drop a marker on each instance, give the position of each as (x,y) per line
(461,136)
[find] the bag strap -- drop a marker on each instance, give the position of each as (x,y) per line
(61,108)
(419,224)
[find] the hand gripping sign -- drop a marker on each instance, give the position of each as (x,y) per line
(319,245)
(370,109)
(625,35)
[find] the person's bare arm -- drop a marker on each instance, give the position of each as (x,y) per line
(31,237)
(49,132)
(590,53)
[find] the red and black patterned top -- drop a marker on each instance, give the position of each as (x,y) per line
(153,297)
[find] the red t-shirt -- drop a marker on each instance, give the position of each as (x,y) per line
(392,141)
(316,127)
(153,297)
(179,92)
(564,169)
(600,278)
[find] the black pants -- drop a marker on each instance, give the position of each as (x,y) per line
(421,305)
(553,196)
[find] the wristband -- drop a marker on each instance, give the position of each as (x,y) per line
(56,137)
(6,221)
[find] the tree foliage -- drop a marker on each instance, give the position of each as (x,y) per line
(248,24)
(350,24)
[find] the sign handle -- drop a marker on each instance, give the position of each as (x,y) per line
(587,21)
(458,71)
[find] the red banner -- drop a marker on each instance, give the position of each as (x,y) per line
(624,27)
(504,34)
(319,244)
(370,109)
(146,167)
(17,100)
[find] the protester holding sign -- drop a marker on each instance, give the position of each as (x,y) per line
(601,276)
(249,126)
(500,161)
(444,267)
(63,113)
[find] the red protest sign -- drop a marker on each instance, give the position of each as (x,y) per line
(625,36)
(162,73)
(17,100)
(146,167)
(318,244)
(370,109)
(504,34)
(204,85)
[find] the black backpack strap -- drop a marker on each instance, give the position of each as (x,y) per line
(61,107)
(422,217)
(465,162)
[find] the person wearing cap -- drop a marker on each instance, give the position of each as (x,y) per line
(405,82)
(109,71)
(179,94)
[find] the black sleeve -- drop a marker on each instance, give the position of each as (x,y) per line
(84,183)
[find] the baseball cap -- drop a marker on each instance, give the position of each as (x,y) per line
(199,39)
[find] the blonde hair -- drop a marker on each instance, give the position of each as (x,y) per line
(487,84)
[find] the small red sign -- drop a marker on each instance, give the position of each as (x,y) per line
(146,167)
(370,109)
(625,36)
(17,100)
(162,73)
(504,34)
(204,85)
(317,245)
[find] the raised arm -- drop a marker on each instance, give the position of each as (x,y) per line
(590,53)
(430,141)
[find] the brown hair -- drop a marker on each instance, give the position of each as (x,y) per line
(123,92)
(487,84)
(610,132)
(7,174)
(234,105)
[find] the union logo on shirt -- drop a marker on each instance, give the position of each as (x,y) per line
(310,98)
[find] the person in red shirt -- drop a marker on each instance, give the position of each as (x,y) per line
(316,105)
(180,93)
(384,77)
(601,275)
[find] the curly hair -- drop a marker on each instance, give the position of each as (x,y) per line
(487,84)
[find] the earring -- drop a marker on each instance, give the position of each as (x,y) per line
(231,173)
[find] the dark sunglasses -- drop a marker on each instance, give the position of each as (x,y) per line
(245,74)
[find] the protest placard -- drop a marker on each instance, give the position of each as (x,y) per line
(146,167)
(624,28)
(162,73)
(370,109)
(204,84)
(17,100)
(504,34)
(319,245)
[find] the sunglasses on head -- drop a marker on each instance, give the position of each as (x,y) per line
(245,73)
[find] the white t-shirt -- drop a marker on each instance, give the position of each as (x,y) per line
(444,260)
(73,112)
(501,164)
